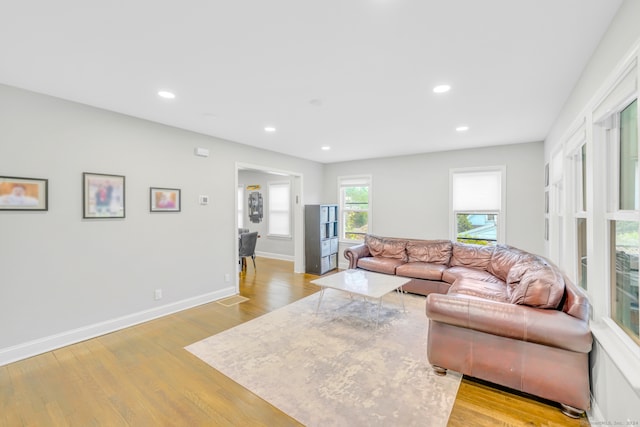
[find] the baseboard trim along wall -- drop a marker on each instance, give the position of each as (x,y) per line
(43,345)
(275,256)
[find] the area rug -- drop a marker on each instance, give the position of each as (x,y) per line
(336,367)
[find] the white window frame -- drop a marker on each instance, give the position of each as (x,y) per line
(579,191)
(597,115)
(271,210)
(617,92)
(501,213)
(557,206)
(613,212)
(354,181)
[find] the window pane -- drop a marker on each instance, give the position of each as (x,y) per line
(279,208)
(355,204)
(624,252)
(582,251)
(279,223)
(477,190)
(629,158)
(356,225)
(356,198)
(279,197)
(477,228)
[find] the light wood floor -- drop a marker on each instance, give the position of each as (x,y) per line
(142,376)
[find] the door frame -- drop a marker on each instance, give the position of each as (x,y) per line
(297,211)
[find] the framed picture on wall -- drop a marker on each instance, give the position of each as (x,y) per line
(164,199)
(23,194)
(103,196)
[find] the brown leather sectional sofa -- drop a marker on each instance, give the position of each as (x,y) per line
(496,313)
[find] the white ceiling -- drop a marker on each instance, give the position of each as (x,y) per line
(356,75)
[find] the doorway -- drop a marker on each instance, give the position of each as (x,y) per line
(256,178)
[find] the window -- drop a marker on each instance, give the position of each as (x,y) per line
(624,220)
(581,178)
(279,199)
(629,158)
(580,211)
(477,205)
(355,206)
(557,205)
(581,242)
(240,206)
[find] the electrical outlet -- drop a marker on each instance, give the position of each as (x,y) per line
(158,294)
(227,277)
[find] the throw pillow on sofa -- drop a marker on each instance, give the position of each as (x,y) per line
(473,256)
(431,251)
(386,247)
(504,257)
(535,283)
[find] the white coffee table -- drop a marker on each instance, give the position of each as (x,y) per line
(364,283)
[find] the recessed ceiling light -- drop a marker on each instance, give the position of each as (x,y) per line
(462,128)
(441,89)
(269,129)
(166,94)
(325,148)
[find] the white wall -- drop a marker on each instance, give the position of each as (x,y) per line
(64,279)
(620,36)
(615,359)
(410,195)
(269,246)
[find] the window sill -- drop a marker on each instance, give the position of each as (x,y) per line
(278,237)
(350,242)
(625,355)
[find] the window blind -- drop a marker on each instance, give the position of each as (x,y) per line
(477,191)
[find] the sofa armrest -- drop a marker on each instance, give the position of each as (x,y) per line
(543,326)
(355,252)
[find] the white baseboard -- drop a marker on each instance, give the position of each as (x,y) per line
(594,415)
(275,256)
(43,345)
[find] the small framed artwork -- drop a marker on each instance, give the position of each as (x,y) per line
(103,196)
(164,199)
(23,194)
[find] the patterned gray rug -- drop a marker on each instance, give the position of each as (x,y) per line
(337,368)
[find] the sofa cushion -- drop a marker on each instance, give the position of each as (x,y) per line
(421,270)
(387,247)
(433,251)
(535,283)
(504,257)
(379,264)
(374,243)
(452,274)
(481,289)
(474,256)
